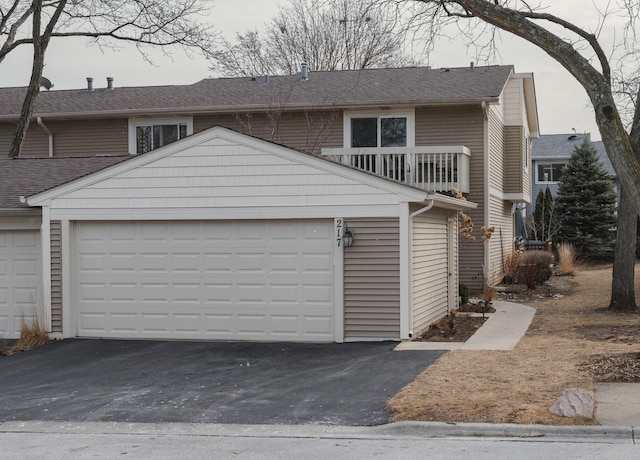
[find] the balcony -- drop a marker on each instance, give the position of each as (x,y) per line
(435,169)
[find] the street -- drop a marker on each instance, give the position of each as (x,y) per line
(83,441)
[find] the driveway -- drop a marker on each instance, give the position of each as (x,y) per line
(207,382)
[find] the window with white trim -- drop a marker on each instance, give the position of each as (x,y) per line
(549,173)
(150,134)
(379,130)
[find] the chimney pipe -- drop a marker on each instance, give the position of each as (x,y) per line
(304,72)
(471,65)
(266,79)
(89,83)
(109,83)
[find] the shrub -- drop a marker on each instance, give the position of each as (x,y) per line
(32,335)
(512,262)
(536,267)
(463,289)
(566,259)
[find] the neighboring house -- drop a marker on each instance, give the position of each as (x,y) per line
(551,153)
(224,235)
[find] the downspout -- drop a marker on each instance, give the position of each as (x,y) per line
(487,182)
(49,133)
(410,261)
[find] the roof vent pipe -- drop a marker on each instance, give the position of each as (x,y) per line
(266,79)
(89,83)
(471,65)
(109,83)
(304,72)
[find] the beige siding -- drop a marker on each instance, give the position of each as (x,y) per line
(496,150)
(372,280)
(461,126)
(71,138)
(36,142)
(430,269)
(91,137)
(306,131)
(501,243)
(56,277)
(514,155)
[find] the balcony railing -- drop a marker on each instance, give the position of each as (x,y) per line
(435,169)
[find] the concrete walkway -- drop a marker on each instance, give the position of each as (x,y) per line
(617,404)
(502,331)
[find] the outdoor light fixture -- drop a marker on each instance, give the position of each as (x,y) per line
(347,237)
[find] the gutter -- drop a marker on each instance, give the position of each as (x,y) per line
(49,133)
(151,111)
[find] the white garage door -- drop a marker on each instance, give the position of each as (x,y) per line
(20,285)
(244,280)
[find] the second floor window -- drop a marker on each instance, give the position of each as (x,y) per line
(379,131)
(550,172)
(149,134)
(150,137)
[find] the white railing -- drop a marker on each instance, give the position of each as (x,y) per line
(437,169)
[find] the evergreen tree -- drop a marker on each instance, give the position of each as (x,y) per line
(586,202)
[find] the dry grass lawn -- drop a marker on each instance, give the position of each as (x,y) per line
(560,350)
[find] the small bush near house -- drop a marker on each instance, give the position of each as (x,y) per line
(536,267)
(463,289)
(566,259)
(512,262)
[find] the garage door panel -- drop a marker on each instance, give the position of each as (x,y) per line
(226,280)
(20,284)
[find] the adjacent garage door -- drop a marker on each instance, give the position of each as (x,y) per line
(20,286)
(243,280)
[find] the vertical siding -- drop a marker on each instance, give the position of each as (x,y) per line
(430,269)
(306,130)
(461,126)
(372,280)
(56,276)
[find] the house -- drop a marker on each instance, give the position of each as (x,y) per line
(551,153)
(226,215)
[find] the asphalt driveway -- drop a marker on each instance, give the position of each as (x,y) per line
(207,382)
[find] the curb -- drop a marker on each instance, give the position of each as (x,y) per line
(396,430)
(486,430)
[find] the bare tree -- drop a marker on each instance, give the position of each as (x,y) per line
(147,23)
(326,34)
(583,56)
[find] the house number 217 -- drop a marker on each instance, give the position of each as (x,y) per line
(339,230)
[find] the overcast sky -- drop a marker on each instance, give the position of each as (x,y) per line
(562,103)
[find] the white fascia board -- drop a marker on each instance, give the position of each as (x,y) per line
(448,202)
(404,192)
(279,212)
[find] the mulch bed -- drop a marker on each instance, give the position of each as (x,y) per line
(456,328)
(623,367)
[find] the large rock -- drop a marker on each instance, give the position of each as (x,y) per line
(574,402)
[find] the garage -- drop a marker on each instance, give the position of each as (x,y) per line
(230,280)
(20,282)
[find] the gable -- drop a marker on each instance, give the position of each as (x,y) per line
(220,168)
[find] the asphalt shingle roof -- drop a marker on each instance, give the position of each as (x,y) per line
(28,176)
(369,87)
(561,146)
